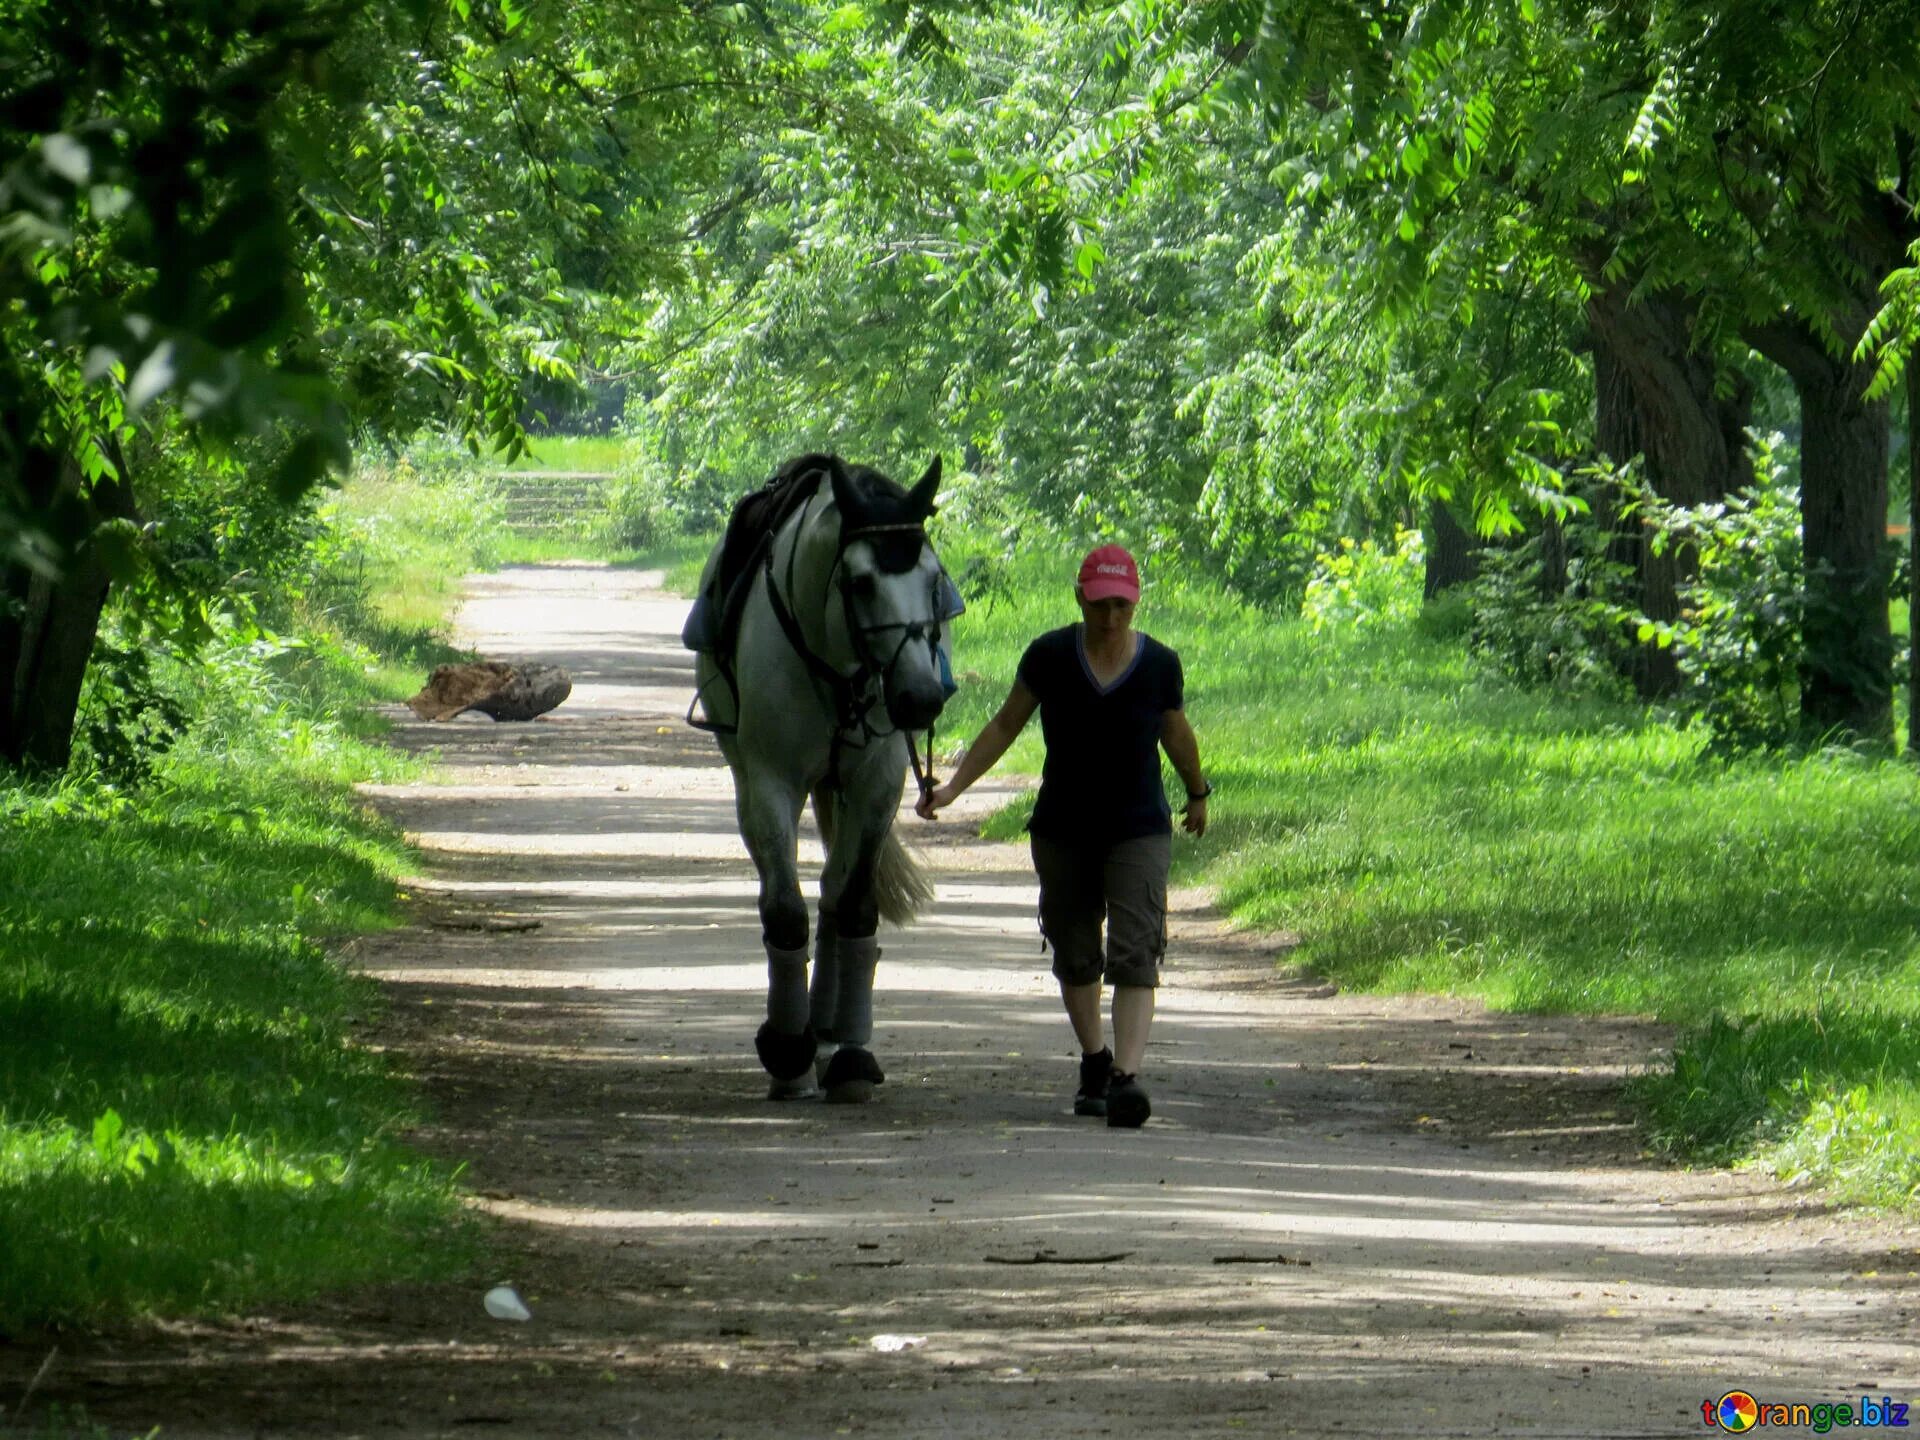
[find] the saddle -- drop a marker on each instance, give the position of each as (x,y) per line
(713,624)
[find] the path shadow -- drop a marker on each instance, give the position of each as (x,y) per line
(1346,1216)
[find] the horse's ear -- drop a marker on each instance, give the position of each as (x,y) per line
(845,496)
(920,498)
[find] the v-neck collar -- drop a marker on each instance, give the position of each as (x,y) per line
(1086,665)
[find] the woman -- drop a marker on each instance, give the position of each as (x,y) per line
(1110,698)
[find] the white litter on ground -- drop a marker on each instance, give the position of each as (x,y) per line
(503,1302)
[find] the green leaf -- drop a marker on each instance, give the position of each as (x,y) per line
(845,19)
(107,1130)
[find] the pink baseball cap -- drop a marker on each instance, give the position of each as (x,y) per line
(1107,572)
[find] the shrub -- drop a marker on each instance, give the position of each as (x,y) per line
(1737,641)
(1360,583)
(639,509)
(1553,610)
(1557,610)
(128,717)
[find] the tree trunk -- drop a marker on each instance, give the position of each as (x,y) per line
(1453,552)
(1617,431)
(1846,666)
(1659,397)
(1847,670)
(1913,559)
(47,627)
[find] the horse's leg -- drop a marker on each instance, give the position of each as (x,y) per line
(824,996)
(863,815)
(769,814)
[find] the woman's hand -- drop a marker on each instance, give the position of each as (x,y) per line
(1193,816)
(988,746)
(937,798)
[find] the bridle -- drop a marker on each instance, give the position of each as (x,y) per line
(910,630)
(856,695)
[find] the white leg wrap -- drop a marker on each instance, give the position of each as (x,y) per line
(853,1015)
(787,990)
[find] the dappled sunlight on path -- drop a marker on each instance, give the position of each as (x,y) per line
(1347,1215)
(1285,1243)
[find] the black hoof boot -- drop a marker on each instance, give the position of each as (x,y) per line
(851,1076)
(801,1087)
(784,1056)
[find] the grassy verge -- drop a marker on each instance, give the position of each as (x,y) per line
(187,1125)
(400,542)
(1424,828)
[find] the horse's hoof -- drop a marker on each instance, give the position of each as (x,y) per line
(851,1076)
(782,1055)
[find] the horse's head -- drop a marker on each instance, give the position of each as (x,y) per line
(896,595)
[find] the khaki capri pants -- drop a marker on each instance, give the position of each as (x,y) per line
(1122,888)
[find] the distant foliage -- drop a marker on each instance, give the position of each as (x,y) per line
(1360,583)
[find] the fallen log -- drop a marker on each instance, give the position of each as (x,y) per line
(493,687)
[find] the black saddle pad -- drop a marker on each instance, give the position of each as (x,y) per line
(757,516)
(714,621)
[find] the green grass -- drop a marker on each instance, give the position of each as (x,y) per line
(186,1123)
(1422,827)
(601,453)
(405,544)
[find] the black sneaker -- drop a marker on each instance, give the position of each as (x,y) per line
(1127,1104)
(1091,1097)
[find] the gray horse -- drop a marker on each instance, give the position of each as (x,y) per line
(820,627)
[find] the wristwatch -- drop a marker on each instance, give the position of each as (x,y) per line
(1200,794)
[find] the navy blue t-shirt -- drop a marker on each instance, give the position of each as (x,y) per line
(1101,782)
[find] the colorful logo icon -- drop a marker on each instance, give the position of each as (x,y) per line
(1737,1411)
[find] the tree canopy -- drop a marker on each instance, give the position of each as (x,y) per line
(1235,278)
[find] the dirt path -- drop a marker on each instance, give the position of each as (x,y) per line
(1348,1215)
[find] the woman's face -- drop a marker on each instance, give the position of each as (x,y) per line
(1105,617)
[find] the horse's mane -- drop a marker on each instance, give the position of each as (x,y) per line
(874,486)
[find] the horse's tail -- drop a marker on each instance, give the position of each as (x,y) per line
(901,886)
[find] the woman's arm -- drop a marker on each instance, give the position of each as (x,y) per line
(987,747)
(1183,749)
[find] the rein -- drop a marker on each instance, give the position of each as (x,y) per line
(924,778)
